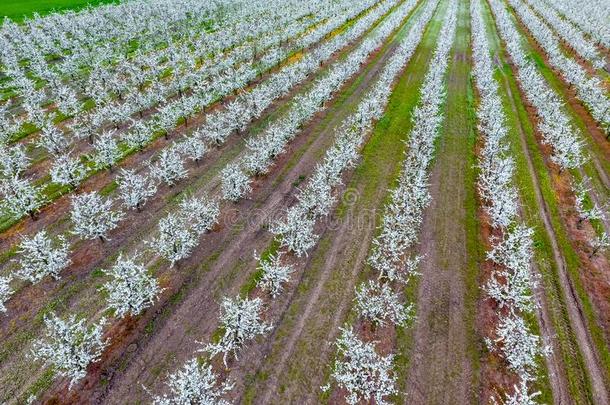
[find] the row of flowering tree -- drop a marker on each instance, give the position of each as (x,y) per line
(511,282)
(590,16)
(211,82)
(359,369)
(570,34)
(589,89)
(266,147)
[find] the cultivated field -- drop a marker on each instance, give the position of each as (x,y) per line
(305,201)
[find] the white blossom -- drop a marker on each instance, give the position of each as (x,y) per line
(168,167)
(377,302)
(600,243)
(5,292)
(241,322)
(362,372)
(40,256)
(195,383)
(107,150)
(235,183)
(296,231)
(93,217)
(274,274)
(52,139)
(13,160)
(70,346)
(519,346)
(68,171)
(131,289)
(200,214)
(135,189)
(19,197)
(176,239)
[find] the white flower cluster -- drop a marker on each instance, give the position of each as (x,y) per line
(131,289)
(589,89)
(511,282)
(362,372)
(241,321)
(70,346)
(39,257)
(179,232)
(194,383)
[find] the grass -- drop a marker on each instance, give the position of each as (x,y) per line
(18,10)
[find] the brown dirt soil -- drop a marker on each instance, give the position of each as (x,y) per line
(440,368)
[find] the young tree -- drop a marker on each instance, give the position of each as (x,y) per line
(135,189)
(296,231)
(52,139)
(519,346)
(92,217)
(235,183)
(176,239)
(362,372)
(600,243)
(40,256)
(193,148)
(5,292)
(378,303)
(131,289)
(240,319)
(19,197)
(520,396)
(169,167)
(138,136)
(70,346)
(199,213)
(107,151)
(67,102)
(274,274)
(514,250)
(13,160)
(195,383)
(68,171)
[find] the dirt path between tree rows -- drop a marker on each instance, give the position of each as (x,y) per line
(442,369)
